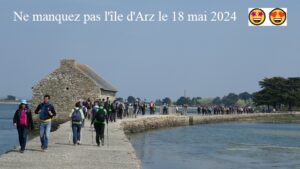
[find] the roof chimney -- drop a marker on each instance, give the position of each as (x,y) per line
(67,62)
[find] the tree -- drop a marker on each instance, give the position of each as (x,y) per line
(195,101)
(183,100)
(10,97)
(292,92)
(274,92)
(130,99)
(278,91)
(167,100)
(230,99)
(245,96)
(241,103)
(217,101)
(275,89)
(206,101)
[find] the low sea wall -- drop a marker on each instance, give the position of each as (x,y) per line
(144,123)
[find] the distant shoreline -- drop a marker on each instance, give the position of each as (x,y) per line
(9,102)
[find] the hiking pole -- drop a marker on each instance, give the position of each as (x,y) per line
(70,138)
(92,136)
(70,134)
(107,135)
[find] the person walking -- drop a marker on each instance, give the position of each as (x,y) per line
(121,108)
(95,109)
(152,107)
(23,121)
(143,108)
(84,110)
(46,112)
(77,117)
(135,109)
(98,121)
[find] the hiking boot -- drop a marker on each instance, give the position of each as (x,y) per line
(22,151)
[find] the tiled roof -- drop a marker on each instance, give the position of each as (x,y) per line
(89,72)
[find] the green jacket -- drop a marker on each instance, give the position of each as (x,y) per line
(100,110)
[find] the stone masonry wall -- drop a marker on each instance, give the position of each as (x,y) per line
(145,123)
(66,86)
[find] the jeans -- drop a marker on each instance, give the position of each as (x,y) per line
(76,128)
(99,127)
(23,133)
(45,129)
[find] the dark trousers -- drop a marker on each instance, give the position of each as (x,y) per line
(76,128)
(23,134)
(151,110)
(112,116)
(99,127)
(120,114)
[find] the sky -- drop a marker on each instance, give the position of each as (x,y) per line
(150,60)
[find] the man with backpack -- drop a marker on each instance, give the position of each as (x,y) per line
(95,109)
(46,112)
(77,118)
(98,121)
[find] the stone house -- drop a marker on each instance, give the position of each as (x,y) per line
(70,83)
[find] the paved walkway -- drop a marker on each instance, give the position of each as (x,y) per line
(63,155)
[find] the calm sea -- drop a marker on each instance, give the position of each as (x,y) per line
(221,146)
(8,133)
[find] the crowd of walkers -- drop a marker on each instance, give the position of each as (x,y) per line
(118,109)
(100,113)
(209,110)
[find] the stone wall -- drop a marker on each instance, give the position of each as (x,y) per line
(66,86)
(153,122)
(145,123)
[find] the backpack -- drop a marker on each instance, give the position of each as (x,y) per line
(23,118)
(121,106)
(76,116)
(115,106)
(100,115)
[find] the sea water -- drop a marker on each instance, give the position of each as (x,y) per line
(8,133)
(236,145)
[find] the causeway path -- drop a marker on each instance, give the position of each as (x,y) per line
(61,154)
